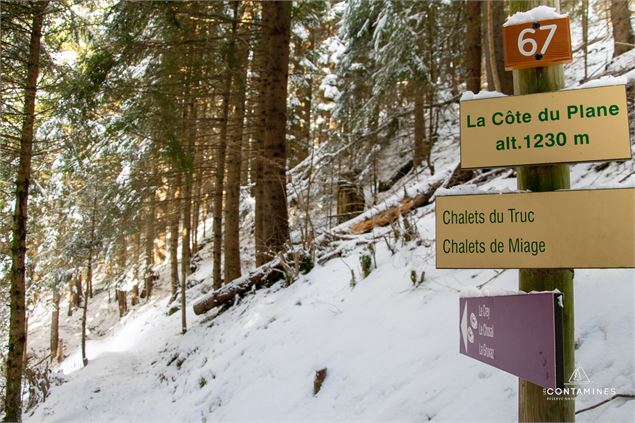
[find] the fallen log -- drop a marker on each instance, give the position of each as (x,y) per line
(263,277)
(392,214)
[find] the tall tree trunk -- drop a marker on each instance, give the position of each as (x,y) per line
(185,243)
(55,323)
(491,48)
(136,251)
(220,162)
(499,14)
(585,36)
(245,161)
(260,63)
(373,139)
(276,223)
(298,148)
(89,288)
(431,94)
(17,333)
(89,279)
(121,262)
(623,38)
(232,192)
(71,298)
(79,291)
(196,209)
(189,128)
(149,246)
(473,49)
(506,78)
(420,124)
(174,218)
(84,316)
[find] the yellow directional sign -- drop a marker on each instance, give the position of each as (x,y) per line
(556,127)
(560,229)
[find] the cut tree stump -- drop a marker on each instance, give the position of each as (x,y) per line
(320,375)
(134,295)
(122,302)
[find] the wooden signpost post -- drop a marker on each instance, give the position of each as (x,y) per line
(543,233)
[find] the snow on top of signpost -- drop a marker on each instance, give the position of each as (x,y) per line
(471,189)
(539,13)
(469,95)
(473,291)
(605,81)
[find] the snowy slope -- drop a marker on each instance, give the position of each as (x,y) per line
(391,349)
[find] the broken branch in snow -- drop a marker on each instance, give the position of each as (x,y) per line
(627,396)
(497,274)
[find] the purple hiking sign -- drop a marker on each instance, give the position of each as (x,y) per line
(520,334)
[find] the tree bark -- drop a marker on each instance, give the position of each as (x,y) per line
(420,124)
(122,302)
(491,48)
(221,152)
(71,298)
(196,209)
(260,63)
(276,223)
(149,247)
(60,351)
(123,254)
(185,244)
(55,323)
(78,291)
(301,128)
(623,38)
(585,36)
(431,91)
(473,49)
(174,236)
(533,404)
(231,233)
(189,115)
(17,333)
(84,316)
(134,295)
(499,14)
(89,278)
(506,78)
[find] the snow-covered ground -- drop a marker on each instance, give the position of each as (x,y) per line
(391,349)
